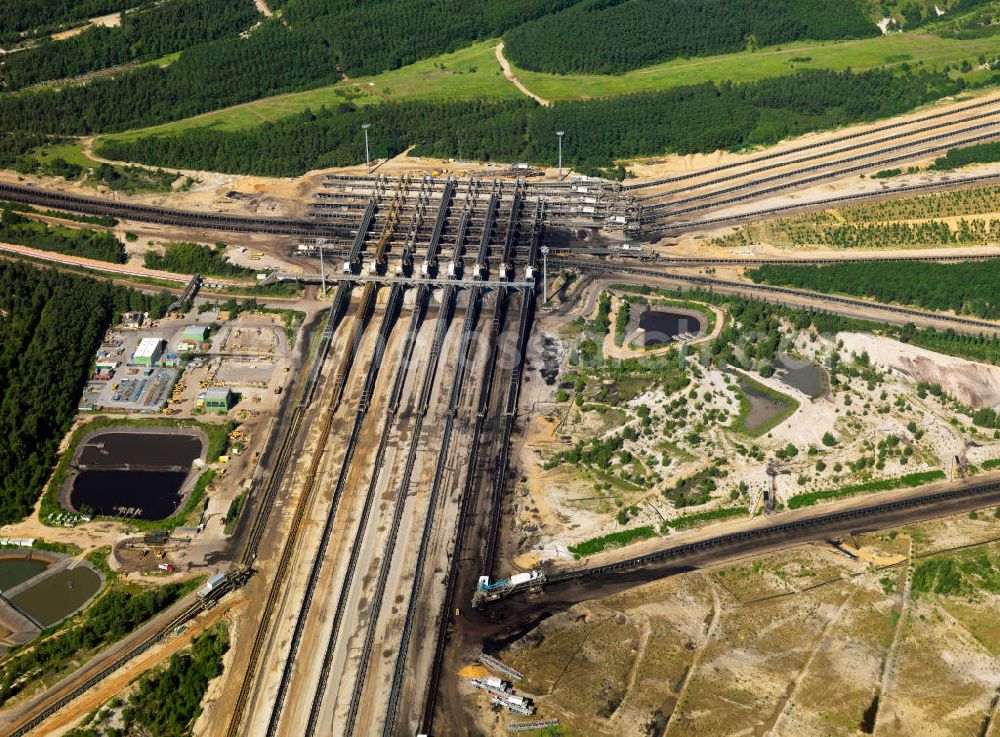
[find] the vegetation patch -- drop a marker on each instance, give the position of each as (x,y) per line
(96,244)
(53,322)
(982,153)
(612,540)
(788,403)
(143,35)
(910,480)
(967,288)
(713,515)
(610,38)
(233,513)
(193,258)
(108,222)
(683,120)
(167,701)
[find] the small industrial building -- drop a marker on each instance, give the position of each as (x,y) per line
(195,333)
(218,399)
(148,352)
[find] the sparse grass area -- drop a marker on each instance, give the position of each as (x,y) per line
(71,152)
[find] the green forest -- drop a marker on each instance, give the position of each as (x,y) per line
(143,34)
(601,37)
(687,119)
(313,44)
(53,323)
(23,231)
(968,288)
(19,18)
(983,153)
(193,258)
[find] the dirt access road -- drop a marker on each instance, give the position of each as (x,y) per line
(508,72)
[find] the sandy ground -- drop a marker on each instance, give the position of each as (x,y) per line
(791,643)
(566,505)
(974,384)
(112,20)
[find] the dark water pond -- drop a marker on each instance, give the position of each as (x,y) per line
(133,474)
(662,326)
(18,570)
(148,495)
(763,408)
(162,450)
(808,378)
(59,595)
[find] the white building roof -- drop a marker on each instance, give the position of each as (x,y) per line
(147,347)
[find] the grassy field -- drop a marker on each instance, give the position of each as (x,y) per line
(469,73)
(69,152)
(768,62)
(474,73)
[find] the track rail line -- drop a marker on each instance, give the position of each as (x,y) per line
(777,177)
(395,397)
(388,320)
(772,212)
(506,428)
(444,320)
(164,215)
(659,212)
(392,709)
(284,561)
(810,146)
(472,481)
(750,287)
(859,513)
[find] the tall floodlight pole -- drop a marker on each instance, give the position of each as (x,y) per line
(322,271)
(545,274)
(560,134)
(368,161)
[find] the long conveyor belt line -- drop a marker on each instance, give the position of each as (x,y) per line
(291,541)
(464,355)
(473,479)
(812,146)
(388,320)
(763,289)
(651,212)
(655,213)
(506,428)
(427,387)
(395,397)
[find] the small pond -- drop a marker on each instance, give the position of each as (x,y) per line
(150,495)
(763,407)
(662,326)
(59,595)
(159,450)
(140,474)
(807,377)
(18,569)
